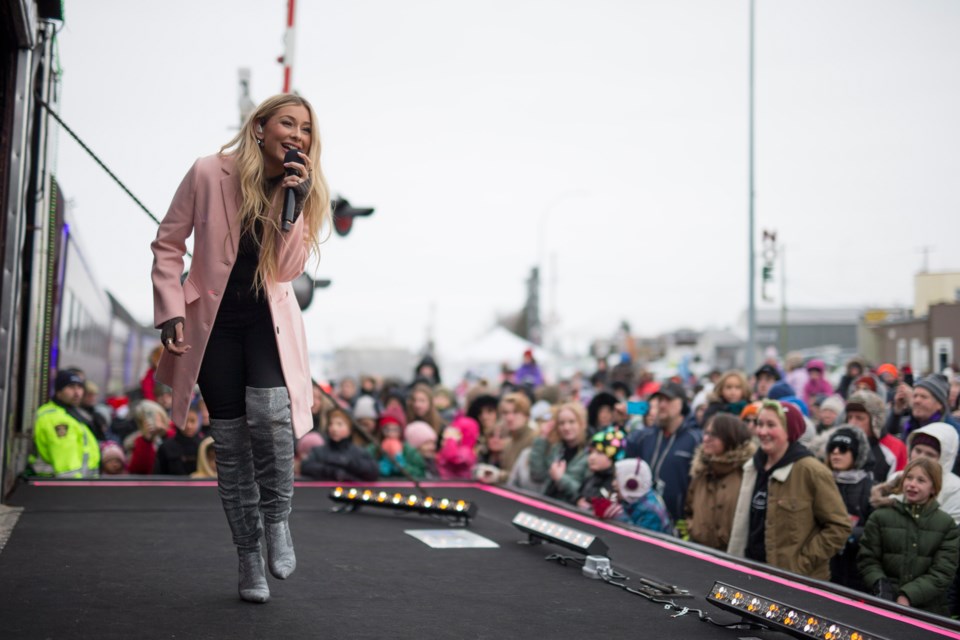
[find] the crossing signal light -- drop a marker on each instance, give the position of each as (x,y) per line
(343,215)
(303,288)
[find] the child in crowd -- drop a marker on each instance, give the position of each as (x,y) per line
(339,459)
(830,409)
(909,551)
(392,455)
(112,459)
(423,439)
(456,456)
(177,455)
(152,422)
(939,442)
(730,395)
(606,447)
(365,416)
(306,444)
(420,407)
(206,460)
(848,453)
(445,403)
(640,504)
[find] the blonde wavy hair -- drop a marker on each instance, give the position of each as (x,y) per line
(256,204)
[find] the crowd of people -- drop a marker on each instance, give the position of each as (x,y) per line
(855,483)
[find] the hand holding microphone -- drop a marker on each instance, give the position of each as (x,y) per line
(293,157)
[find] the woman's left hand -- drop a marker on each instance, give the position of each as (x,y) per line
(302,171)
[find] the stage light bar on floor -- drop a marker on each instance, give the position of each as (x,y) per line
(354,498)
(541,530)
(782,617)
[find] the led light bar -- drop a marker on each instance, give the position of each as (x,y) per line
(356,498)
(541,530)
(782,617)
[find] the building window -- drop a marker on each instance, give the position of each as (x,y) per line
(942,353)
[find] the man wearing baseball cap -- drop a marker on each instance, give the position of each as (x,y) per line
(66,448)
(668,448)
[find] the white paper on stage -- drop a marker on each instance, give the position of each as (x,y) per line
(451,539)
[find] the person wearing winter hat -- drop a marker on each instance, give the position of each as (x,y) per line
(830,410)
(789,513)
(817,384)
(421,437)
(339,458)
(603,450)
(715,477)
(668,448)
(848,454)
(937,441)
(457,455)
(749,415)
(865,382)
(65,446)
(365,413)
(865,410)
(112,459)
(306,444)
(600,412)
(926,404)
(558,459)
(392,454)
(638,503)
(529,372)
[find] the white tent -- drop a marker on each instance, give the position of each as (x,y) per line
(485,355)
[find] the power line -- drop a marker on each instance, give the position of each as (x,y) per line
(98,161)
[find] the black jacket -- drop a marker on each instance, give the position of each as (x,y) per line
(177,456)
(342,461)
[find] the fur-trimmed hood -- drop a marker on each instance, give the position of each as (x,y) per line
(949,442)
(725,463)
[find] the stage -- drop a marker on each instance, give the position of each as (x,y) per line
(153,559)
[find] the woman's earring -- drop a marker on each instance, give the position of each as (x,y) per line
(260,141)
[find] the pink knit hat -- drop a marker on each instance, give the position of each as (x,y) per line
(310,440)
(418,432)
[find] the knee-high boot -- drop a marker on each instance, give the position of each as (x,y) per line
(240,497)
(271,432)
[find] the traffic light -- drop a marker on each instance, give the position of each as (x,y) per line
(343,215)
(303,288)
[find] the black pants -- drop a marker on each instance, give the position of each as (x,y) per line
(241,353)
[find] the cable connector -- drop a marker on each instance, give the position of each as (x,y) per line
(596,567)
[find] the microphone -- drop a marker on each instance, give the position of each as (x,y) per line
(289,200)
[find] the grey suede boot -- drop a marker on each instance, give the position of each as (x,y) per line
(240,497)
(253,582)
(271,433)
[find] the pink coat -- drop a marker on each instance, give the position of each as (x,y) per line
(207,204)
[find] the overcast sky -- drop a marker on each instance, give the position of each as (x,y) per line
(607,138)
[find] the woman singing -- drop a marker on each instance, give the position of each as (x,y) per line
(234,325)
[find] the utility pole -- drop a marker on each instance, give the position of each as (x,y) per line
(751,269)
(783,301)
(245,102)
(925,250)
(289,39)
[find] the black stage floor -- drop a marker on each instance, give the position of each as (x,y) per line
(133,561)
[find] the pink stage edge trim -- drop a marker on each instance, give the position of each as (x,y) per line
(543,506)
(717,561)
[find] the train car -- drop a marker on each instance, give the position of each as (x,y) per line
(92,329)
